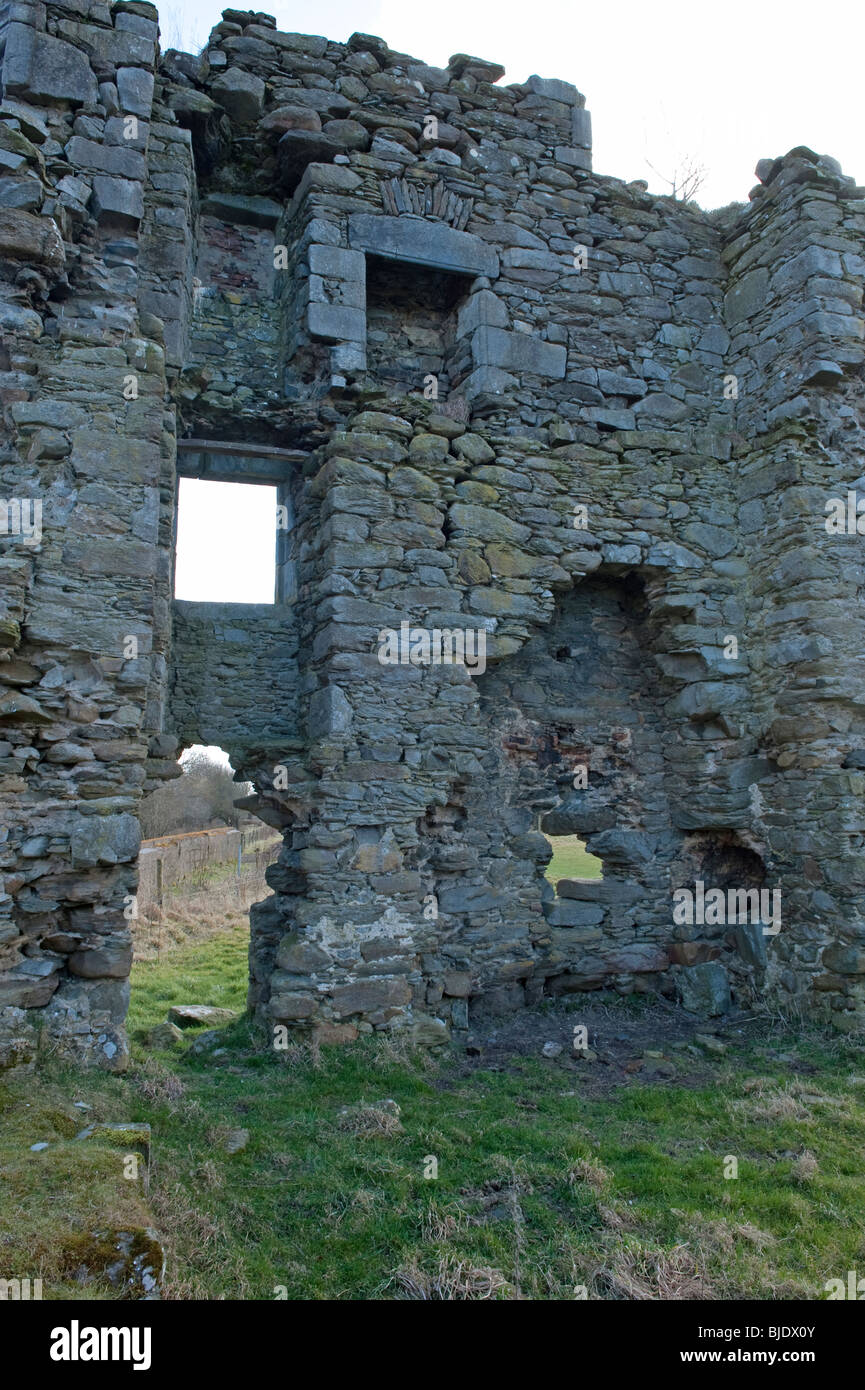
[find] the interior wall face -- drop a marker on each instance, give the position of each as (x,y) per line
(590,434)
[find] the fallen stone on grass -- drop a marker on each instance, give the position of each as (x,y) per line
(383,1118)
(710,1043)
(164,1035)
(207,1042)
(130,1136)
(131,1260)
(429,1032)
(236,1140)
(190,1015)
(551,1049)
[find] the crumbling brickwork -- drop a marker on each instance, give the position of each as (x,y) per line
(499,395)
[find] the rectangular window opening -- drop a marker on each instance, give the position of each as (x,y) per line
(226,548)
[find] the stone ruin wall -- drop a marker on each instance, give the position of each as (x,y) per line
(253,281)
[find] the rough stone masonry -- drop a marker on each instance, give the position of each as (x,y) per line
(496,393)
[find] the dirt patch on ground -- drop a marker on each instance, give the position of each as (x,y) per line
(650,1043)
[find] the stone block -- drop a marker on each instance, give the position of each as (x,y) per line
(576,158)
(37,240)
(193,1015)
(299,148)
(518,353)
(521,258)
(135,91)
(290,118)
(581,128)
(364,996)
(329,712)
(457,984)
(845,960)
(240,93)
(479,309)
(751,944)
(298,956)
(351,135)
(420,242)
(428,1031)
(337,323)
(104,840)
(109,958)
(242,210)
(704,989)
(30,984)
(348,357)
(106,159)
(25,193)
(323,178)
(117,200)
(41,68)
(292,1006)
(553,89)
(488,381)
(747,297)
(336,264)
(814,260)
(570,912)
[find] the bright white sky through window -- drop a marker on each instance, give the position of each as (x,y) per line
(226,542)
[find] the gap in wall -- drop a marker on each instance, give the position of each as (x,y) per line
(226,542)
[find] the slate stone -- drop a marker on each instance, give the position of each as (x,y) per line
(554,89)
(104,840)
(704,989)
(40,67)
(240,93)
(581,128)
(135,91)
(193,1015)
(336,264)
(117,201)
(419,242)
(112,959)
(337,323)
(242,210)
(518,353)
(106,159)
(26,237)
(298,148)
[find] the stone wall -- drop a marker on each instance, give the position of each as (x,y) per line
(498,393)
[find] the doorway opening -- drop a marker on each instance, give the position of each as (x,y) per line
(203,859)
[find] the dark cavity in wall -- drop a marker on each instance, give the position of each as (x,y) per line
(411,323)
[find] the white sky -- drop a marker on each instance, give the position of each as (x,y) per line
(226,542)
(724,84)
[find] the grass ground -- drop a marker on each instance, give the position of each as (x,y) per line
(552,1174)
(571,859)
